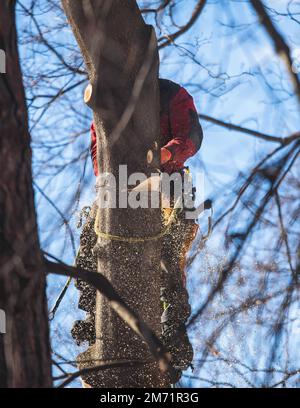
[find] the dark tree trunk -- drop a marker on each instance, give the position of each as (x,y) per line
(24,349)
(120,53)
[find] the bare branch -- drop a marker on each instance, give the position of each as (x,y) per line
(103,366)
(196,13)
(281,47)
(99,282)
(259,135)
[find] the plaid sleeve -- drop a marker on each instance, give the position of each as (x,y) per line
(93,148)
(186,129)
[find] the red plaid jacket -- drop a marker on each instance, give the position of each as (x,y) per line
(181,132)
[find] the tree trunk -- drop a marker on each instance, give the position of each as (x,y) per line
(24,349)
(120,53)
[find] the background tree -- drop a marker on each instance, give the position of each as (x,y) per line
(24,348)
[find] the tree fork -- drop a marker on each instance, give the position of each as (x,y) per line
(120,52)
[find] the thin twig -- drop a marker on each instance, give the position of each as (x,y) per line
(281,47)
(171,37)
(99,367)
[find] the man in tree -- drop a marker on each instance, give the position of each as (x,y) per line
(181,138)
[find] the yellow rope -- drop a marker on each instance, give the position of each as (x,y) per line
(164,231)
(113,237)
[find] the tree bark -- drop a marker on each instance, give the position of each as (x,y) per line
(24,349)
(120,52)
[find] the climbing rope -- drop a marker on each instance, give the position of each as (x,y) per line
(172,218)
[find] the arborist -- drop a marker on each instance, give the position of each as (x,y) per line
(181,138)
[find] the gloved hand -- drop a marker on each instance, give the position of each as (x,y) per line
(165,155)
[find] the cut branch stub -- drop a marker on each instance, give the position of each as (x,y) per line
(88,93)
(149,156)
